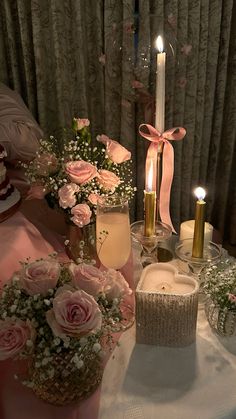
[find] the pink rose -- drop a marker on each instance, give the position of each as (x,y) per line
(81,215)
(93,198)
(115,285)
(46,164)
(108,180)
(36,192)
(67,195)
(80,172)
(13,337)
(115,151)
(38,277)
(74,313)
(87,277)
(81,123)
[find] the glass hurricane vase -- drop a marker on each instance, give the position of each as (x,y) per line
(221,320)
(80,243)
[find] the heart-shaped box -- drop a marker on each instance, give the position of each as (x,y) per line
(166,306)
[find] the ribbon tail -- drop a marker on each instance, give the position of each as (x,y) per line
(167,177)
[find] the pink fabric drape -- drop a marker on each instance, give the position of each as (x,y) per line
(20,239)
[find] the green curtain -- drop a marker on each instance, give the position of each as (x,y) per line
(51,56)
(95,59)
(201,97)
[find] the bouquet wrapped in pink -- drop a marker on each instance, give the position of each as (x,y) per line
(60,318)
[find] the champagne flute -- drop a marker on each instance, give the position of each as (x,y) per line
(113,232)
(113,238)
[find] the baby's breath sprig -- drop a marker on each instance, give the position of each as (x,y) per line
(220,283)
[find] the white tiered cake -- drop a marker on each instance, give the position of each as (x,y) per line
(9,195)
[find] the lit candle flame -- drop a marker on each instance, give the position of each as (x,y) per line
(200,193)
(159,44)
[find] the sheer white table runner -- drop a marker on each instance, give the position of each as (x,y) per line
(151,382)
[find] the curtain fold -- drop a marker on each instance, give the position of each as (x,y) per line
(95,59)
(224,204)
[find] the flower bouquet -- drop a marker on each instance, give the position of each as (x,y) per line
(220,288)
(60,318)
(73,173)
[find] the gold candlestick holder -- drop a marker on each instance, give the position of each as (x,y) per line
(152,198)
(198,237)
(149,213)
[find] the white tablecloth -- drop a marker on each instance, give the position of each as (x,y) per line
(151,382)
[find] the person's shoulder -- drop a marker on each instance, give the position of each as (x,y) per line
(19,132)
(7,94)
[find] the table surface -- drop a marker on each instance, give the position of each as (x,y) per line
(140,381)
(149,382)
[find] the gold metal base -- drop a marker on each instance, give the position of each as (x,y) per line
(149,213)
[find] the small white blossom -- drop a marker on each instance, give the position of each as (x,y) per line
(45,361)
(29,343)
(57,341)
(51,372)
(34,322)
(79,364)
(15,280)
(97,347)
(83,341)
(13,308)
(23,311)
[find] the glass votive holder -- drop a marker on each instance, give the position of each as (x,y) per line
(221,320)
(189,264)
(149,245)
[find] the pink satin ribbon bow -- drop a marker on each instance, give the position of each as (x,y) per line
(156,138)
